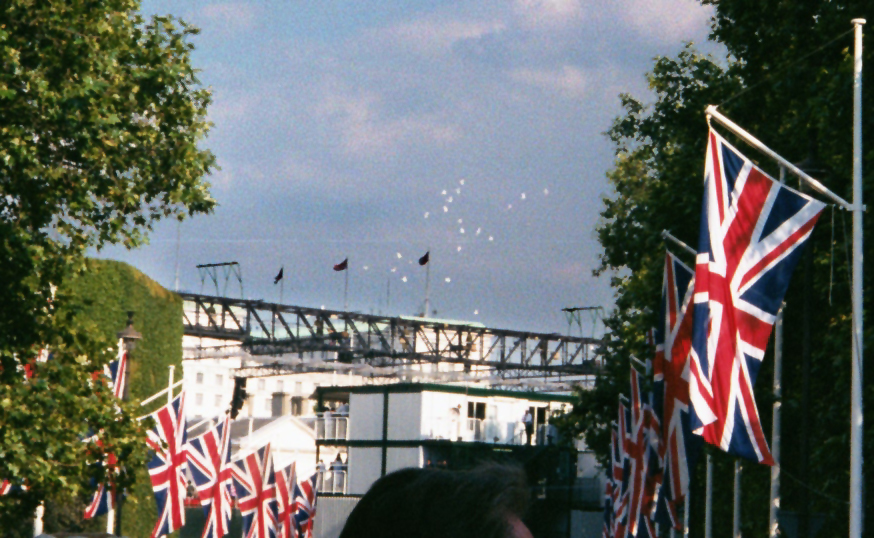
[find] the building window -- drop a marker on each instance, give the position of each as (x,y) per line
(297,387)
(198,399)
(219,379)
(218,400)
(280,386)
(199,378)
(262,384)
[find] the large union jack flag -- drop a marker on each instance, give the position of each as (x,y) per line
(167,467)
(255,484)
(305,506)
(103,499)
(209,460)
(286,480)
(752,233)
(673,340)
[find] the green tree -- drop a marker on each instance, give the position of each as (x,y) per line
(101,121)
(787,79)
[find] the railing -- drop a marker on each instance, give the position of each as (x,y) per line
(332,480)
(332,427)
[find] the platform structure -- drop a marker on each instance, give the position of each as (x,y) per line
(382,343)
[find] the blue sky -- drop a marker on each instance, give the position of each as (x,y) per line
(379,130)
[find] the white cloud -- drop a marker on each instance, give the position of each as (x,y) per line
(567,80)
(549,12)
(230,17)
(364,130)
(666,21)
(436,35)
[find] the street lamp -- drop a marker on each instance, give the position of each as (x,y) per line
(129,337)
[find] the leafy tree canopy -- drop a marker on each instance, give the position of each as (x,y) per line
(787,79)
(101,124)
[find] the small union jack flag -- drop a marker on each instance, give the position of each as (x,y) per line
(167,467)
(752,233)
(104,497)
(209,460)
(673,343)
(305,506)
(621,473)
(286,480)
(637,447)
(255,484)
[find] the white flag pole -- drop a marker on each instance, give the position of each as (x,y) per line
(736,533)
(170,385)
(856,419)
(754,142)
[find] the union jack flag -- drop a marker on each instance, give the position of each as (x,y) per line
(286,480)
(673,339)
(209,460)
(752,233)
(639,450)
(606,531)
(621,473)
(167,468)
(305,506)
(255,485)
(104,498)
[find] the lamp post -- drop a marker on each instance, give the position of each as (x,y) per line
(129,337)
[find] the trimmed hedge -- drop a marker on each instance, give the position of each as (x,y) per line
(102,295)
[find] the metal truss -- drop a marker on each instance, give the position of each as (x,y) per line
(379,341)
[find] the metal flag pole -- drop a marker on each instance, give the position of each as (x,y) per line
(774,512)
(738,469)
(667,235)
(856,419)
(686,516)
(708,500)
(757,144)
(346,288)
(428,284)
(170,384)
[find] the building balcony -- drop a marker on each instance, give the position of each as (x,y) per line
(332,427)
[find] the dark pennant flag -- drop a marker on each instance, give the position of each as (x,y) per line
(424,259)
(342,265)
(278,276)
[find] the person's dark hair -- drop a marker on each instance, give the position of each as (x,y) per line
(436,503)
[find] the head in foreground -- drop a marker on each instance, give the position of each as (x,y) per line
(486,502)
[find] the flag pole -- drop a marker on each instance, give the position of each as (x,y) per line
(686,516)
(428,285)
(667,235)
(708,500)
(756,143)
(856,418)
(346,288)
(774,512)
(736,533)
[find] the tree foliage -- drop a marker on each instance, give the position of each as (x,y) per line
(787,79)
(101,117)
